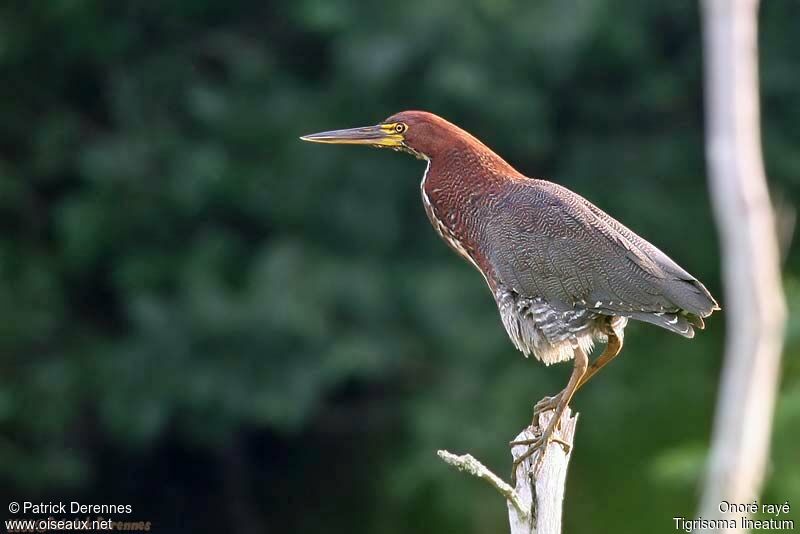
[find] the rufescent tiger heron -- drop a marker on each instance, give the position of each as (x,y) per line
(563,272)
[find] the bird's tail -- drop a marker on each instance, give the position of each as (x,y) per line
(680,323)
(693,301)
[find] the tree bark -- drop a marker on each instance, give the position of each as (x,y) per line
(754,302)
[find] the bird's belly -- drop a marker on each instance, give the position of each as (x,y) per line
(549,334)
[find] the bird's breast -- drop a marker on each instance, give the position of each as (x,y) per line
(448,219)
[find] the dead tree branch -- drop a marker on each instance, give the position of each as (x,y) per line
(534,505)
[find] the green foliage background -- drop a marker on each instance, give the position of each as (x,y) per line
(227,328)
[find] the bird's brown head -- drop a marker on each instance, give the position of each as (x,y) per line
(421,133)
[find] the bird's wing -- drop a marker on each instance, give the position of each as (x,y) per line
(546,241)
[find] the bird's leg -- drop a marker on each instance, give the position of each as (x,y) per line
(540,443)
(613,348)
(611,351)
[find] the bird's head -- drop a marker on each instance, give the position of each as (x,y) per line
(420,133)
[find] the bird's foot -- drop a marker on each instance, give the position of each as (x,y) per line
(539,442)
(536,444)
(546,404)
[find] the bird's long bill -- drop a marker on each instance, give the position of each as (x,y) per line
(378,135)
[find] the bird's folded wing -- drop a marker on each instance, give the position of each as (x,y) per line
(546,241)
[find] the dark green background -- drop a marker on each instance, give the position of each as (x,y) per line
(235,331)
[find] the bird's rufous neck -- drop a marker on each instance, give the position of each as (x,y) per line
(459,188)
(468,167)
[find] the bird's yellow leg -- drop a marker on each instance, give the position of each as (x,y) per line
(613,348)
(540,443)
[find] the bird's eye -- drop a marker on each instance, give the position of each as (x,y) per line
(400,127)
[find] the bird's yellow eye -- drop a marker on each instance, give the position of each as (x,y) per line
(400,127)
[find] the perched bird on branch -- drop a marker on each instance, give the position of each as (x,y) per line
(563,272)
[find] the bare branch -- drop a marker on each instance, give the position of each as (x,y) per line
(468,463)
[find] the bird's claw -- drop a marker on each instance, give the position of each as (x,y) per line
(535,444)
(546,404)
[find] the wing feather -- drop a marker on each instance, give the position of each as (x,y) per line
(546,241)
